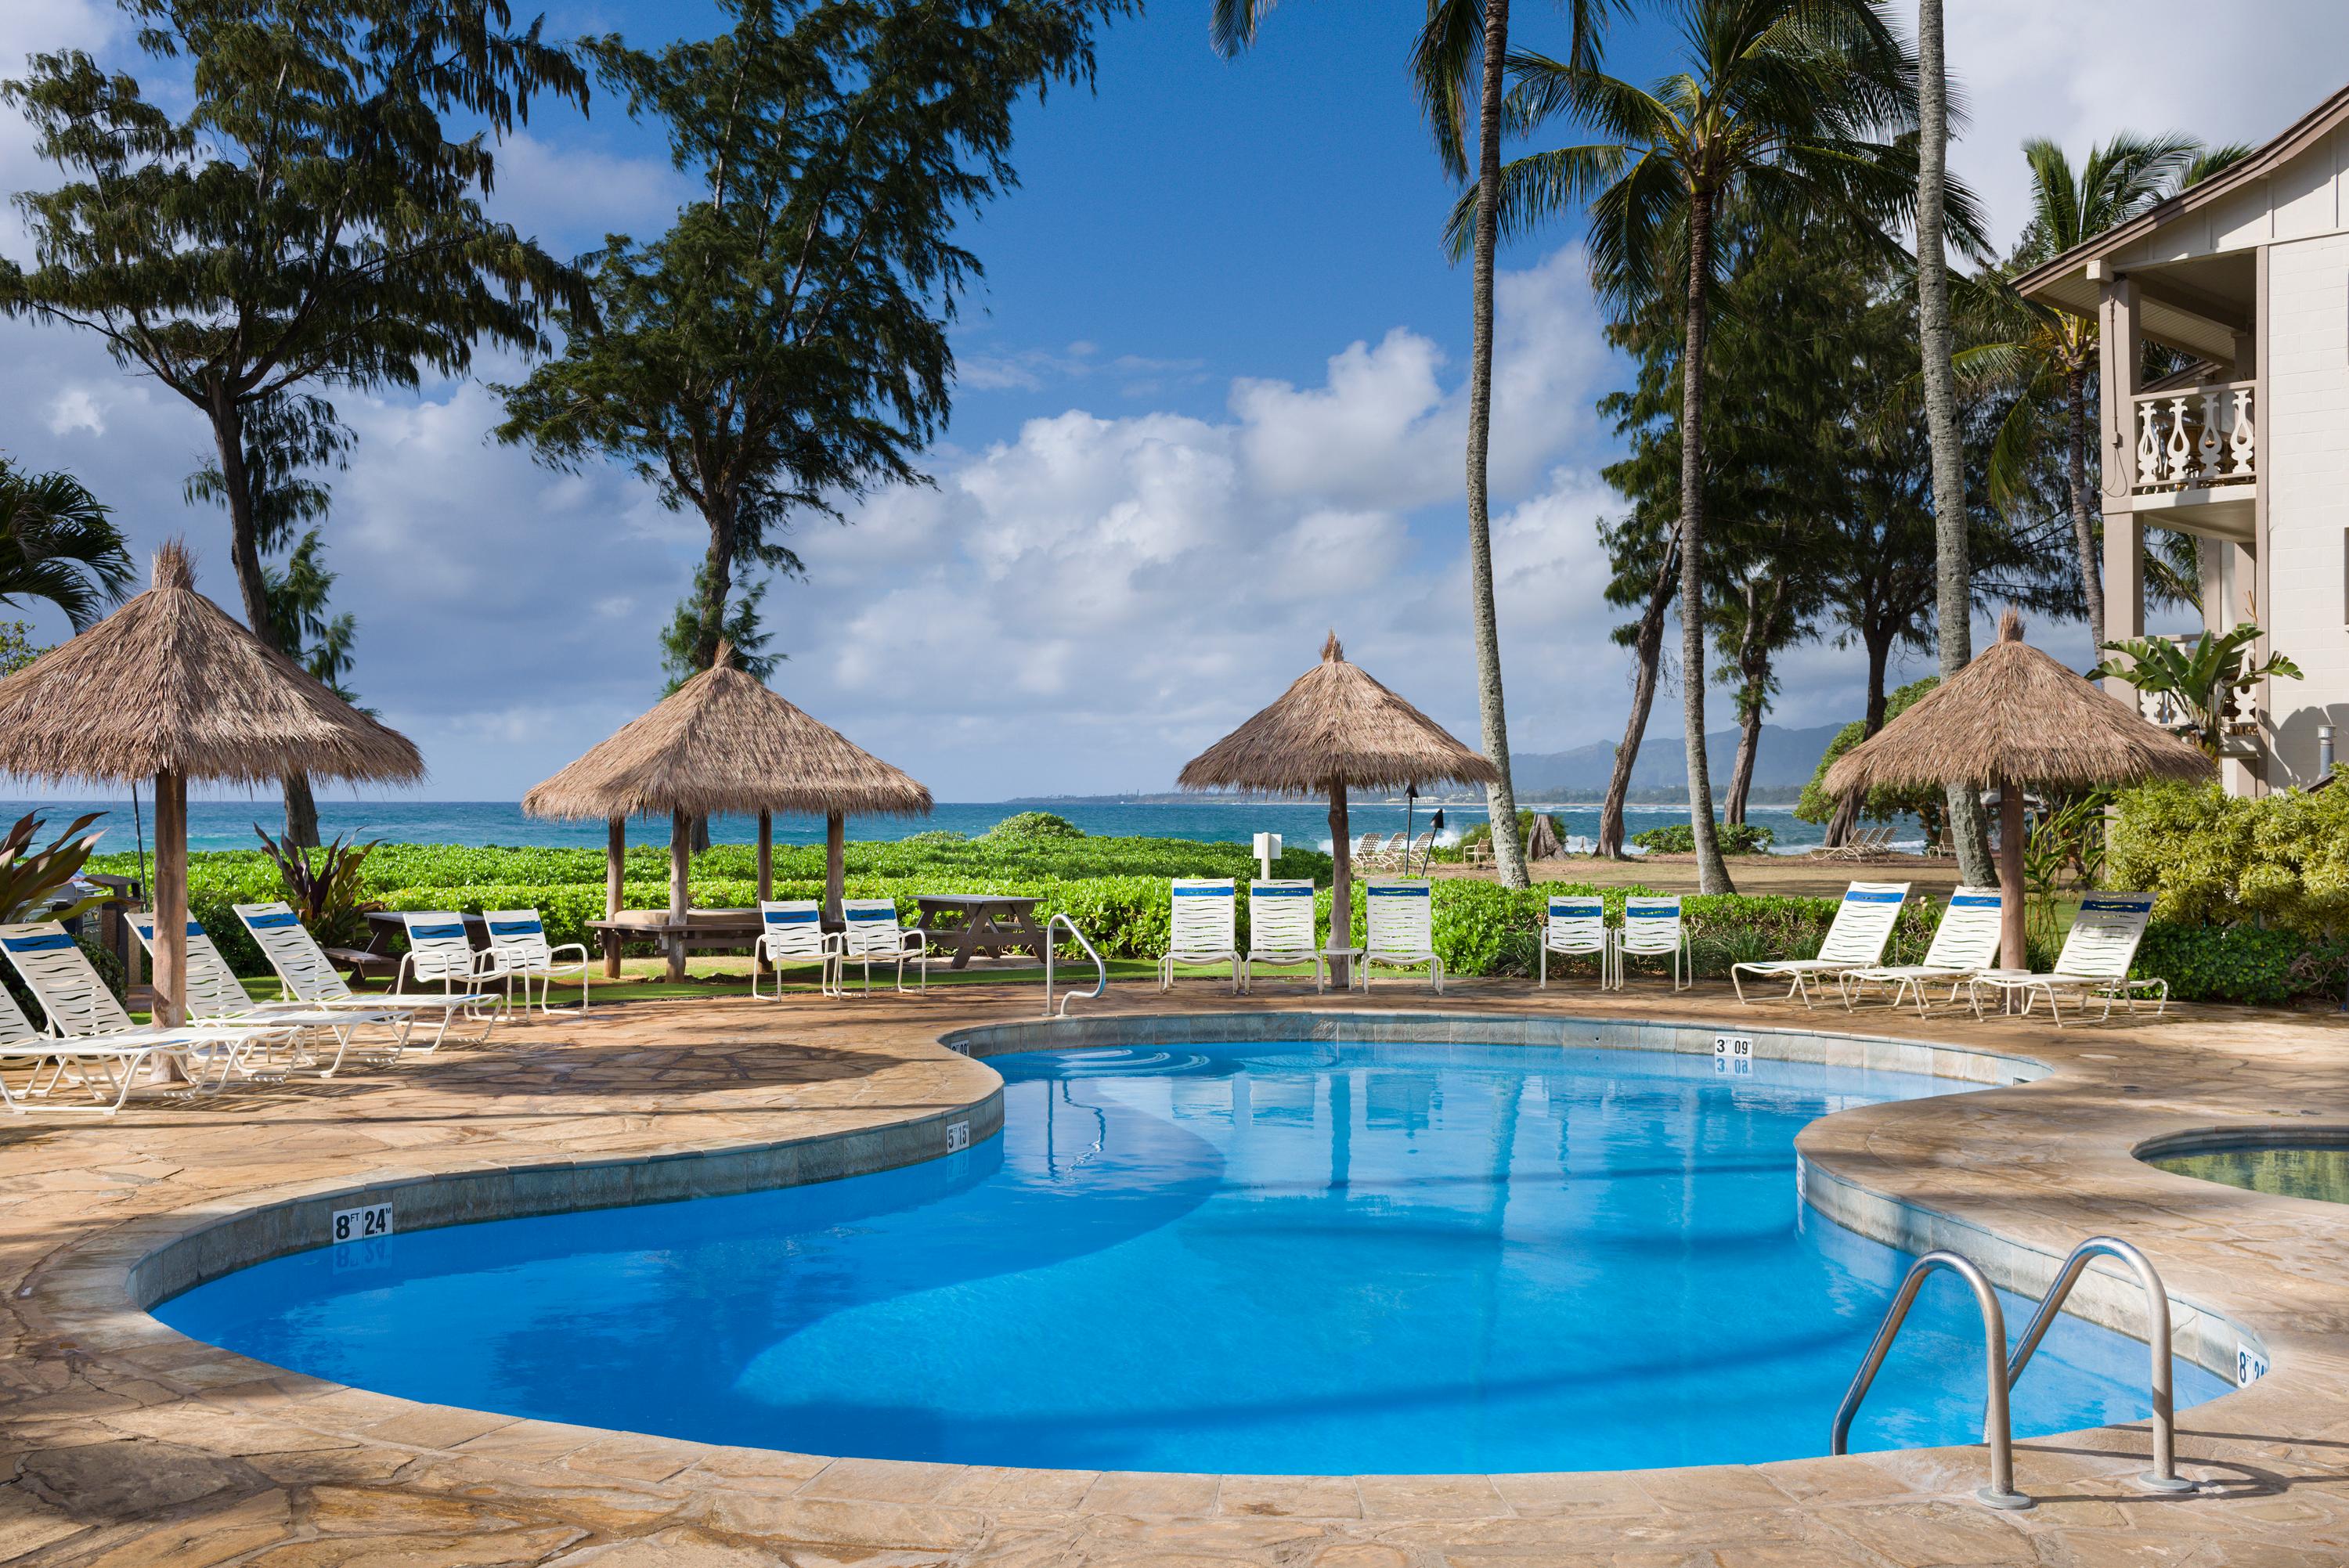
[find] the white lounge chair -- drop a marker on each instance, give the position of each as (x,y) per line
(2095,963)
(309,975)
(1965,945)
(1856,939)
(1652,929)
(791,932)
(1202,927)
(438,949)
(1280,928)
(519,951)
(81,1008)
(873,936)
(215,996)
(1399,921)
(104,1069)
(1369,851)
(1576,927)
(1418,850)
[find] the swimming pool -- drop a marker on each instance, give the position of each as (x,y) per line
(2292,1169)
(1274,1257)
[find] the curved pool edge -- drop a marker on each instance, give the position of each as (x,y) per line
(88,1292)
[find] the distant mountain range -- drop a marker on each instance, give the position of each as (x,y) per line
(1787,759)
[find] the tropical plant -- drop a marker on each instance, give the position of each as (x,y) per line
(2064,848)
(784,344)
(328,894)
(299,214)
(17,648)
(1028,827)
(58,544)
(2200,687)
(1463,41)
(1736,839)
(1773,118)
(30,876)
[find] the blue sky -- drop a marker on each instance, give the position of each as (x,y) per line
(1210,406)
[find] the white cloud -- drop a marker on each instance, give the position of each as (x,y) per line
(76,409)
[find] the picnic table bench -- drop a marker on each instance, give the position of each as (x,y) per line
(965,923)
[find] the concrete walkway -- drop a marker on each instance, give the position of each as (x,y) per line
(125,1443)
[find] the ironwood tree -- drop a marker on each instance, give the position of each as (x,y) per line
(300,216)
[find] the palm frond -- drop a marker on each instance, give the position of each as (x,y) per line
(1444,61)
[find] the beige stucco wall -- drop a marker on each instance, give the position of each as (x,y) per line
(2304,463)
(2306,198)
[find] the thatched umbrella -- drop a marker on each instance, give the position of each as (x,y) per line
(2011,719)
(1335,729)
(722,742)
(170,688)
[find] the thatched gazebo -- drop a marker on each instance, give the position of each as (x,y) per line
(722,743)
(1335,729)
(2011,719)
(170,688)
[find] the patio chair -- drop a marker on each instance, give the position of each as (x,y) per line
(309,975)
(1419,850)
(873,936)
(519,951)
(791,932)
(1652,929)
(215,996)
(2095,963)
(1856,939)
(1202,927)
(80,1008)
(1370,852)
(1280,928)
(1400,922)
(1965,945)
(1576,927)
(102,1067)
(438,949)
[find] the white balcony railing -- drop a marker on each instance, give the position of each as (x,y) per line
(2196,437)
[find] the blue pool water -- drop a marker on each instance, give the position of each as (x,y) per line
(1283,1258)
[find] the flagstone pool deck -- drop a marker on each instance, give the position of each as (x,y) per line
(125,1443)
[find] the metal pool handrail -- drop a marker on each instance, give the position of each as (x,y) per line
(1101,970)
(2163,1476)
(1999,1493)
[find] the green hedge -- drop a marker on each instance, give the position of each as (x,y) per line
(1680,838)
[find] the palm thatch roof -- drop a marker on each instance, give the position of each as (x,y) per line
(2016,714)
(171,684)
(723,742)
(1335,724)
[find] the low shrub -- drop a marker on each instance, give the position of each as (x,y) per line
(1680,838)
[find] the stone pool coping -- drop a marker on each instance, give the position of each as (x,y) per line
(99,1398)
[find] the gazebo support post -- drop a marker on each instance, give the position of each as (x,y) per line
(681,863)
(172,898)
(766,856)
(1341,880)
(2012,951)
(835,852)
(616,861)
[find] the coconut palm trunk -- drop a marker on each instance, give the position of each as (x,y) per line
(1712,871)
(1968,827)
(1647,657)
(1501,798)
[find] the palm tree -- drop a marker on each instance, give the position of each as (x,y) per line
(1463,40)
(58,543)
(2047,359)
(1776,119)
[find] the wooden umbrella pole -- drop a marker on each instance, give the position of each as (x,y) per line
(2011,951)
(835,854)
(616,862)
(680,864)
(1341,880)
(766,856)
(171,899)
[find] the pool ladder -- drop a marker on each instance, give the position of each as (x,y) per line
(2002,1372)
(1101,970)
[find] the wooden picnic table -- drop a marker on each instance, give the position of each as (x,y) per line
(985,922)
(703,931)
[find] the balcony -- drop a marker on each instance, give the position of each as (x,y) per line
(2198,454)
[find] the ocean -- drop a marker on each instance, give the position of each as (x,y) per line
(229,824)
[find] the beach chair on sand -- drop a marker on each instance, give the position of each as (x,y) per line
(98,1071)
(309,975)
(80,1008)
(1280,928)
(791,932)
(2095,963)
(873,936)
(1400,928)
(1965,945)
(1856,939)
(1202,927)
(1652,929)
(1369,851)
(519,951)
(215,996)
(1576,927)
